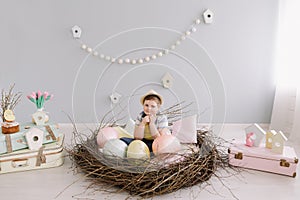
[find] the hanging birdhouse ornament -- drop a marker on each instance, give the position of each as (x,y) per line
(167,80)
(76,30)
(208,16)
(115,97)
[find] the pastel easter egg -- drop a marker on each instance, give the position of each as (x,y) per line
(115,147)
(138,149)
(106,134)
(166,144)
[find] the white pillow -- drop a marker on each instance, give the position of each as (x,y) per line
(130,125)
(186,129)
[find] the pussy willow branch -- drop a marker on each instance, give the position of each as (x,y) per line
(9,100)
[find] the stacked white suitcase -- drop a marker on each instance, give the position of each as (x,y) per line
(33,147)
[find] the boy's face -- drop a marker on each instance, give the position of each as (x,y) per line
(150,107)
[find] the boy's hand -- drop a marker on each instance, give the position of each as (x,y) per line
(146,120)
(152,118)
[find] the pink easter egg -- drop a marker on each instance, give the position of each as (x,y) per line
(105,134)
(166,144)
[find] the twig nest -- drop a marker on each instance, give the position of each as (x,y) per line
(137,149)
(166,144)
(115,147)
(106,134)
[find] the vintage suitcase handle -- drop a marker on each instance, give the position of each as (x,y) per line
(239,156)
(284,163)
(19,163)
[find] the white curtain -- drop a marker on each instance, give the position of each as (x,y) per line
(286,109)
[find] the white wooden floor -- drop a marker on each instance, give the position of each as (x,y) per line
(61,183)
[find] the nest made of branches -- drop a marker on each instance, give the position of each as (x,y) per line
(157,176)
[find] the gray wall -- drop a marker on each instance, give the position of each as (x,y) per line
(225,69)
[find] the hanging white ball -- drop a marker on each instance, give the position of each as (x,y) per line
(197,21)
(102,56)
(153,57)
(120,61)
(127,60)
(95,53)
(147,59)
(177,42)
(141,60)
(83,46)
(183,37)
(89,49)
(107,57)
(113,60)
(187,33)
(194,29)
(166,51)
(160,54)
(133,62)
(172,47)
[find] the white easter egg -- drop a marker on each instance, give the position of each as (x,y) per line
(115,147)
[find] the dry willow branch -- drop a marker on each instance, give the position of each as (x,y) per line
(9,100)
(176,111)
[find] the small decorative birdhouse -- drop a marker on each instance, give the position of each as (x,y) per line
(34,138)
(254,135)
(269,138)
(167,80)
(40,118)
(278,142)
(208,16)
(115,97)
(76,30)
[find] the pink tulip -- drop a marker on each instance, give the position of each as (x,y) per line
(39,94)
(31,99)
(46,94)
(33,95)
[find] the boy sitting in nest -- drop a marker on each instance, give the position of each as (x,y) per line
(149,123)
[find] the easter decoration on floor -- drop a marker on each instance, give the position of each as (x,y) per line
(264,151)
(30,145)
(9,101)
(40,117)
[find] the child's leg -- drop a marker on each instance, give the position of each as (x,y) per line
(148,143)
(127,140)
